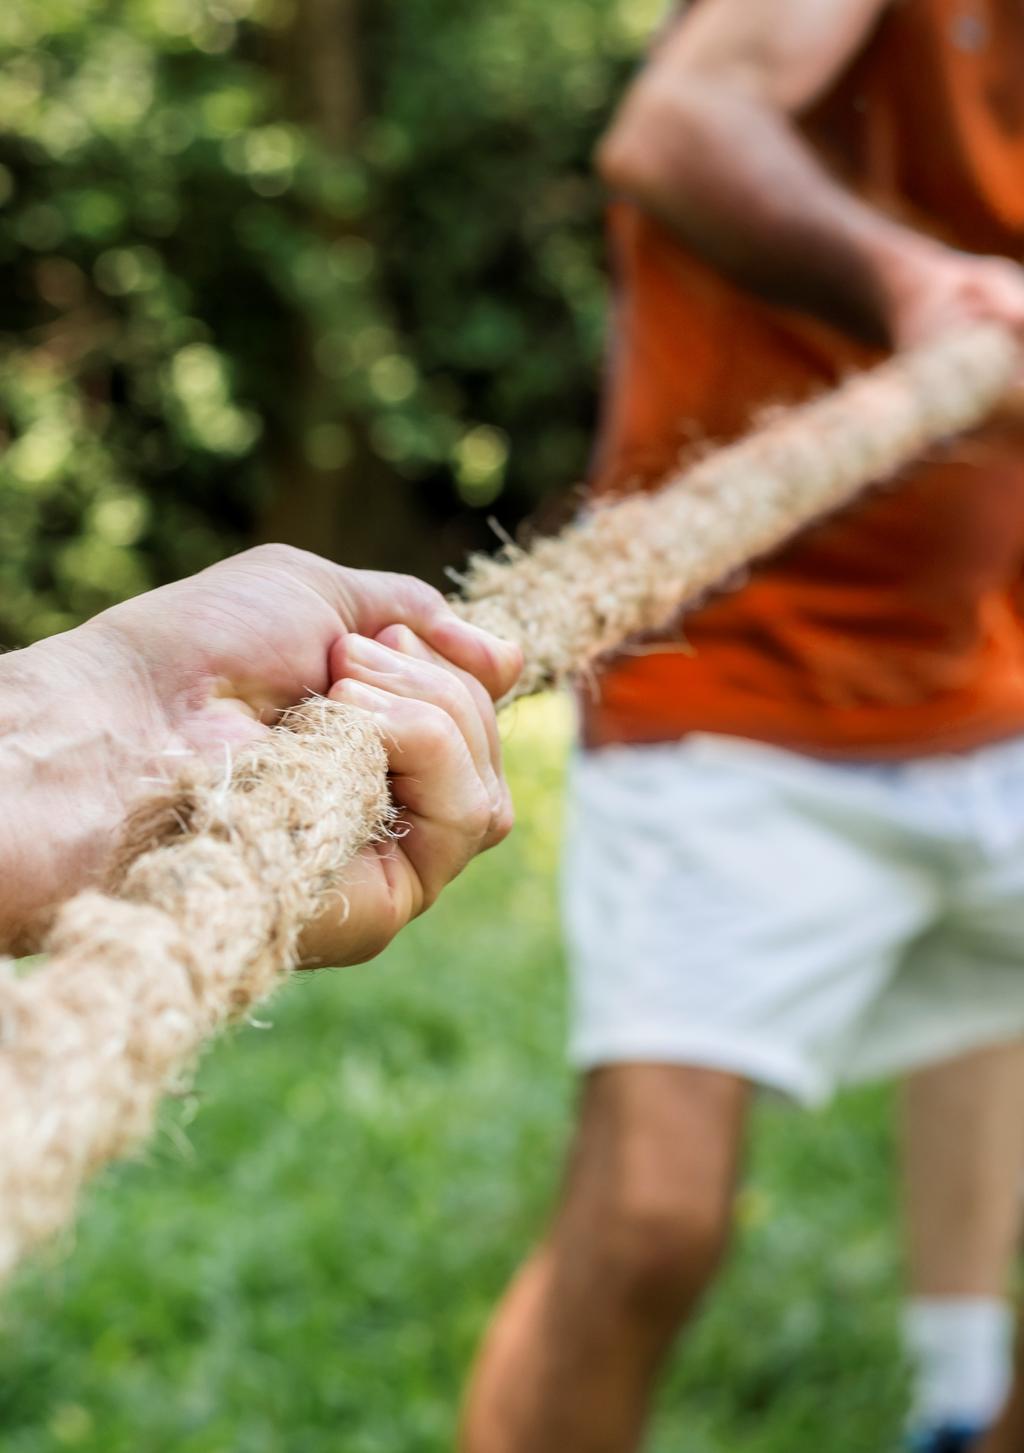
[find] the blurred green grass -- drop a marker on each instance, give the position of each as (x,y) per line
(305,1258)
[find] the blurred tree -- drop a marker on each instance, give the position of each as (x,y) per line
(300,267)
(321,500)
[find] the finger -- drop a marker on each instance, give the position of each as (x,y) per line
(998,293)
(377,896)
(1001,304)
(448,808)
(412,676)
(370,600)
(400,638)
(443,685)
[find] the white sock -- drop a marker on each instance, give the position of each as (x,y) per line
(961,1353)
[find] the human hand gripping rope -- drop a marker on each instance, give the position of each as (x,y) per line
(221,872)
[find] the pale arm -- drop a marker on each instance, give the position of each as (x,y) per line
(207,665)
(72,747)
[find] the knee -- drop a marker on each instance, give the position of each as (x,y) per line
(659,1256)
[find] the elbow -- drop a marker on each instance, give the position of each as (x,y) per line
(627,158)
(621,159)
(649,140)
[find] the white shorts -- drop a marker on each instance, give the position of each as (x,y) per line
(797,922)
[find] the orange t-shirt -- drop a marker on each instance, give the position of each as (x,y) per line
(893,628)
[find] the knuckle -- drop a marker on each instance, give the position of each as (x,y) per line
(397,638)
(341,691)
(479,697)
(391,923)
(279,559)
(504,818)
(436,727)
(478,816)
(448,693)
(417,592)
(274,553)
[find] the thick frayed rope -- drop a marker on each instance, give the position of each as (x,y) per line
(631,566)
(221,873)
(204,924)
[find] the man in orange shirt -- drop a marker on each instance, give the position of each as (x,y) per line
(797,851)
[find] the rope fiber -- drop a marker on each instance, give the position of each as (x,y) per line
(220,877)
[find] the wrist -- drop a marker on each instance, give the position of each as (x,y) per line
(903,262)
(74,742)
(85,685)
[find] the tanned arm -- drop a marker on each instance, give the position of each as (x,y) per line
(705,139)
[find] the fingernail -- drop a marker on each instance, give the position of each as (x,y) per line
(364,650)
(510,655)
(480,633)
(405,640)
(494,644)
(357,693)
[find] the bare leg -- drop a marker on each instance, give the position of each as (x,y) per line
(964,1163)
(964,1160)
(572,1355)
(1008,1435)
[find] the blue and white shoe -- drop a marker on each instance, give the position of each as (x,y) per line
(950,1438)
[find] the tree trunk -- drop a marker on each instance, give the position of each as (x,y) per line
(360,513)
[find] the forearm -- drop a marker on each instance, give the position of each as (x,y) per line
(738,184)
(66,772)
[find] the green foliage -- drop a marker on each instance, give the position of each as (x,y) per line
(306,1260)
(123,378)
(199,298)
(203,299)
(487,119)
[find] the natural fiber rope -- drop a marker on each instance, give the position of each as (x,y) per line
(225,870)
